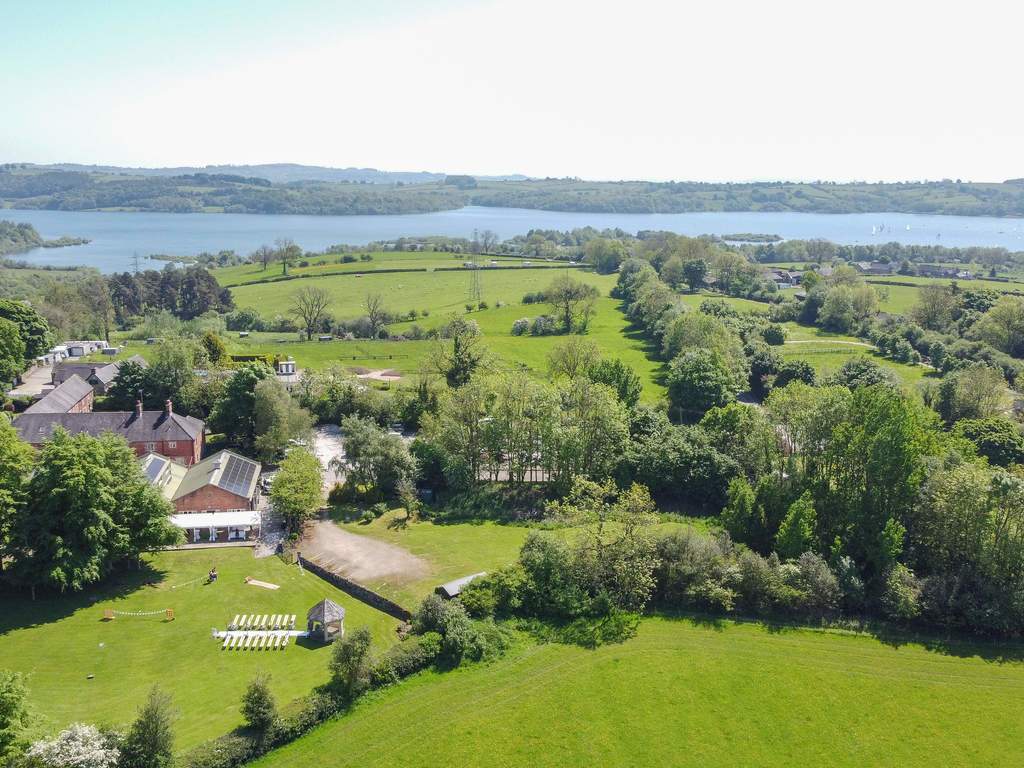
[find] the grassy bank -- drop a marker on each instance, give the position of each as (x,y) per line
(687,693)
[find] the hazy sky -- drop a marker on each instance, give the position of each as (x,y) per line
(718,90)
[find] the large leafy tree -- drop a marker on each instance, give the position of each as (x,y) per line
(88,508)
(697,380)
(378,462)
(572,301)
(278,419)
(32,327)
(16,459)
(459,359)
(297,491)
(235,413)
(623,380)
(125,390)
(12,351)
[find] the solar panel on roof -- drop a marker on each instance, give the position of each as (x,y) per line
(154,468)
(237,476)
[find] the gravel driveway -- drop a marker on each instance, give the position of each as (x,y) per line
(359,558)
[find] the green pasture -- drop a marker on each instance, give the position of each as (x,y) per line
(81,668)
(689,692)
(333,264)
(826,357)
(405,291)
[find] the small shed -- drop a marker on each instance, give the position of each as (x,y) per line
(454,588)
(326,621)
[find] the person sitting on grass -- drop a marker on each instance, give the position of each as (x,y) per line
(212,575)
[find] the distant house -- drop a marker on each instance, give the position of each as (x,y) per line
(165,432)
(873,267)
(72,396)
(932,270)
(215,500)
(99,375)
(783,278)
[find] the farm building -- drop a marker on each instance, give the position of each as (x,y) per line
(99,375)
(326,621)
(215,500)
(73,396)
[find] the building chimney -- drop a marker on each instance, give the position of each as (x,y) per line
(168,408)
(138,409)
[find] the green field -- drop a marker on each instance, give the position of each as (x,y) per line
(405,291)
(686,693)
(59,641)
(331,264)
(827,358)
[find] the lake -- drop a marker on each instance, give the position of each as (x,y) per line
(116,237)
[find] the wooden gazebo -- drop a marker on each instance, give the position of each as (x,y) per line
(326,621)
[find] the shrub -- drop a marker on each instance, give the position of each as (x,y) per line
(367,517)
(901,596)
(414,654)
(431,615)
(482,305)
(149,742)
(350,664)
(258,706)
(543,326)
(336,495)
(521,326)
(774,334)
(470,307)
(378,509)
(479,599)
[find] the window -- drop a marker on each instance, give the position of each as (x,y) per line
(172,444)
(150,447)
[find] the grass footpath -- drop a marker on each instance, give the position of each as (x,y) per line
(684,693)
(59,641)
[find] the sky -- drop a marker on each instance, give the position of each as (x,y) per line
(711,91)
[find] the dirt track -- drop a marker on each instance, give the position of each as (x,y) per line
(359,558)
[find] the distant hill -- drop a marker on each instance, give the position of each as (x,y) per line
(260,189)
(278,173)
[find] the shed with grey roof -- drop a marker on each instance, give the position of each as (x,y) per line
(454,588)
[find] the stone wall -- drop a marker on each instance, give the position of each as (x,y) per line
(358,591)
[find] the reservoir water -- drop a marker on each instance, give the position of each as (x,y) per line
(117,237)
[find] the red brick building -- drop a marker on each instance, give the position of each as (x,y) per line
(164,432)
(216,499)
(74,395)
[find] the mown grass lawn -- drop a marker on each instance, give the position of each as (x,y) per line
(59,641)
(686,693)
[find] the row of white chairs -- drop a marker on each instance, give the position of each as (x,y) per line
(276,621)
(256,641)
